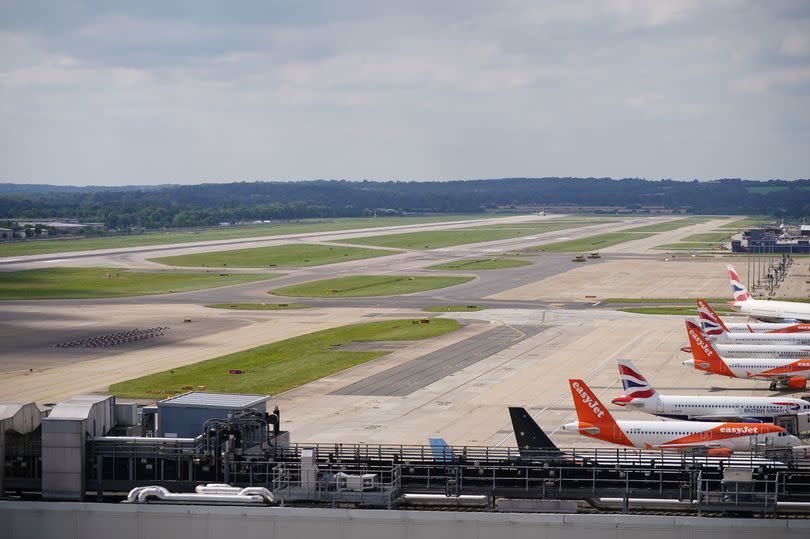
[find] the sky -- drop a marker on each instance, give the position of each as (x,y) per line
(121,93)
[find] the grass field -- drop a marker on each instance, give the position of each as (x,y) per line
(453,308)
(687,246)
(481,264)
(277,367)
(368,285)
(62,283)
(712,301)
(591,243)
(460,236)
(714,237)
(685,311)
(670,225)
(294,254)
(748,223)
(162,238)
(259,306)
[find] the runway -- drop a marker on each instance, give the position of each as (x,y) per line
(543,324)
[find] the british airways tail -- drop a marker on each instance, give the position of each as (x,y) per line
(709,321)
(737,288)
(531,439)
(634,383)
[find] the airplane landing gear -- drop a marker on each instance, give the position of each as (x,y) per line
(772,387)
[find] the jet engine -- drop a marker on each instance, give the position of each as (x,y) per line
(796,382)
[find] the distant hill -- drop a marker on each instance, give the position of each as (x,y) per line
(212,203)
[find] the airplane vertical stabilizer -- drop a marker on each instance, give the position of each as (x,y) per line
(530,437)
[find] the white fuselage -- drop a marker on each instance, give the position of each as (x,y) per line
(708,407)
(786,351)
(662,433)
(756,327)
(764,339)
(768,369)
(772,310)
(690,435)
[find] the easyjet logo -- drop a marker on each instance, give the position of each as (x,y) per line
(739,430)
(700,342)
(592,403)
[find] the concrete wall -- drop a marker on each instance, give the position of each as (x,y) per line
(23,520)
(63,459)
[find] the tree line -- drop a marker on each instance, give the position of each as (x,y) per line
(214,203)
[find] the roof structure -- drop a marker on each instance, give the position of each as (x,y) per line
(214,400)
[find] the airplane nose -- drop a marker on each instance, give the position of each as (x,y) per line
(689,362)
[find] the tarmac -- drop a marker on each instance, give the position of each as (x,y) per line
(544,323)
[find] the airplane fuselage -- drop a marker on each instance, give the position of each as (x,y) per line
(775,310)
(764,339)
(782,351)
(709,407)
(767,327)
(692,435)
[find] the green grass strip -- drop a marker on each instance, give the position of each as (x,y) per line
(290,255)
(685,311)
(368,285)
(65,245)
(599,241)
(273,368)
(481,264)
(434,239)
(687,246)
(66,283)
(670,225)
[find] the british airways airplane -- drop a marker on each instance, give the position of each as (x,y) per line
(639,394)
(714,437)
(714,328)
(763,309)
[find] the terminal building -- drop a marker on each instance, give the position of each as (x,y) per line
(774,239)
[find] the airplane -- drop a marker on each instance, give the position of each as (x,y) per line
(638,393)
(715,438)
(792,374)
(767,310)
(714,328)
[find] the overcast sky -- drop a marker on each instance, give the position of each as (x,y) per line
(144,93)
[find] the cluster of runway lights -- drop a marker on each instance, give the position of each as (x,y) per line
(713,425)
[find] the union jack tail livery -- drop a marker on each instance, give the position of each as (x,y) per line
(737,288)
(634,383)
(705,355)
(709,321)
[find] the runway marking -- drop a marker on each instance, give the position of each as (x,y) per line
(566,394)
(659,343)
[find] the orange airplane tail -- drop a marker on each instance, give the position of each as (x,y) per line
(594,419)
(705,355)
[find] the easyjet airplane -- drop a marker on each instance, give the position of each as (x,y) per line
(713,438)
(638,393)
(791,373)
(764,309)
(714,328)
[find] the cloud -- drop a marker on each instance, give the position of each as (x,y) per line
(154,92)
(796,43)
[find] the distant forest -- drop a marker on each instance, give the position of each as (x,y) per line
(213,203)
